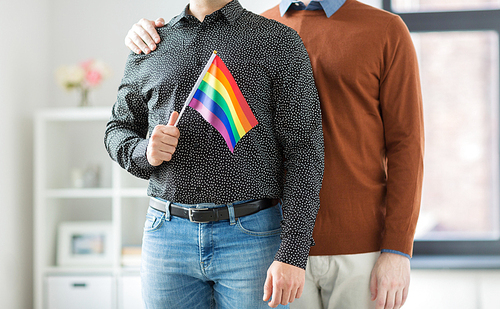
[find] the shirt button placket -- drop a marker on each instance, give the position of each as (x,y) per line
(198,65)
(199,44)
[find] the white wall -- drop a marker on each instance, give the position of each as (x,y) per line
(36,37)
(23,87)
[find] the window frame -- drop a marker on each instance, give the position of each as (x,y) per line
(442,21)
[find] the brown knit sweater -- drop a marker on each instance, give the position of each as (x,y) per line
(366,71)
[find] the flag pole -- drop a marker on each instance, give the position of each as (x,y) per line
(198,82)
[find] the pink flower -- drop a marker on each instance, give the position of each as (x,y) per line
(86,75)
(93,78)
(87,65)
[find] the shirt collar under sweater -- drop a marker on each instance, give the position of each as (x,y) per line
(329,6)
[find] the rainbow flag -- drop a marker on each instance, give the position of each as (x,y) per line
(218,99)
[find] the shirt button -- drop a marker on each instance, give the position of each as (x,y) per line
(196,145)
(198,190)
(199,63)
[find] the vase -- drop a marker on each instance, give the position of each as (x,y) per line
(84,98)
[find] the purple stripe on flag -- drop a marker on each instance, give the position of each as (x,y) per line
(212,106)
(213,120)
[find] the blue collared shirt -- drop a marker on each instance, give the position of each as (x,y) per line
(329,6)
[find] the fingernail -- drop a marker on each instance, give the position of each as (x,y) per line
(147,51)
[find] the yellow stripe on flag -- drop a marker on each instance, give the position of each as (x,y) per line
(219,87)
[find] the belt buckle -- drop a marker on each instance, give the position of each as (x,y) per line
(190,213)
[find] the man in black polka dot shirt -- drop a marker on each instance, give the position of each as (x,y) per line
(224,226)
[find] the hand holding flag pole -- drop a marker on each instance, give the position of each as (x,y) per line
(162,142)
(219,100)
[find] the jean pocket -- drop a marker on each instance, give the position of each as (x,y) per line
(154,220)
(266,222)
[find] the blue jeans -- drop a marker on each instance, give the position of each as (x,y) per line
(208,265)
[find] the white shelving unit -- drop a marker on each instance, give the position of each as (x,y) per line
(68,142)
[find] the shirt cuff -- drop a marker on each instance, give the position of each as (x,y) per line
(139,155)
(293,252)
(395,252)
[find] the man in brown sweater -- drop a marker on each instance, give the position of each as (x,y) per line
(366,72)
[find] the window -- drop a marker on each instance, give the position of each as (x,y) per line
(401,6)
(461,118)
(457,43)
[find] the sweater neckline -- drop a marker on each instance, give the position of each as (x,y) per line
(315,12)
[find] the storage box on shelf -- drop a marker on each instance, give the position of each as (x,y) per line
(76,181)
(82,292)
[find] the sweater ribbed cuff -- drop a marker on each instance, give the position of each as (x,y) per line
(396,252)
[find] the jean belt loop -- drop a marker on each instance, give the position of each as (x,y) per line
(167,210)
(232,219)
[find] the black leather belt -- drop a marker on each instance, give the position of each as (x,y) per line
(205,215)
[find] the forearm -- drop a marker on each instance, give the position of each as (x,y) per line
(301,135)
(404,189)
(128,149)
(127,129)
(300,207)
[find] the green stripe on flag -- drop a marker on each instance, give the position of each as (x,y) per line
(217,98)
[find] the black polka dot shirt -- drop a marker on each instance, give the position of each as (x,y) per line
(272,69)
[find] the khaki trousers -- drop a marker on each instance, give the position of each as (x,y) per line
(338,282)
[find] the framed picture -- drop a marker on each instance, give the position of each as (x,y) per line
(85,243)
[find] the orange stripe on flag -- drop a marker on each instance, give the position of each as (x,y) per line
(215,71)
(237,92)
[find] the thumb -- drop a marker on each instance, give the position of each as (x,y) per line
(173,118)
(268,287)
(160,22)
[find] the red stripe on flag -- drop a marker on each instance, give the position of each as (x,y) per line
(237,92)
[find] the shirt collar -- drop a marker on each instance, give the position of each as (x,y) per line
(329,6)
(231,11)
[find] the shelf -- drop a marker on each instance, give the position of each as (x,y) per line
(68,143)
(130,271)
(77,114)
(95,193)
(123,270)
(58,270)
(133,192)
(79,193)
(456,262)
